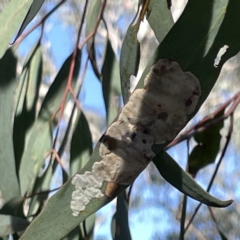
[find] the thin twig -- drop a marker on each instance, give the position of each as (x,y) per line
(228,138)
(37,24)
(204,124)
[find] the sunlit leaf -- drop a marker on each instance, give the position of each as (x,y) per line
(159,18)
(35,7)
(10,20)
(129,60)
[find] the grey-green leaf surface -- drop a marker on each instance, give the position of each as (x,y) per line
(181,180)
(27,96)
(110,83)
(160,18)
(35,7)
(81,144)
(40,140)
(92,17)
(9,185)
(10,19)
(129,60)
(11,224)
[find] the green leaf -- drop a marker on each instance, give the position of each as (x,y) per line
(9,185)
(34,155)
(205,153)
(110,83)
(160,18)
(28,90)
(35,7)
(120,224)
(129,60)
(181,180)
(81,144)
(10,18)
(92,17)
(11,224)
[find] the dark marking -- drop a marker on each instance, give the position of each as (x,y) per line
(159,105)
(195,93)
(169,4)
(112,143)
(133,135)
(144,141)
(163,116)
(146,131)
(188,103)
(102,138)
(146,157)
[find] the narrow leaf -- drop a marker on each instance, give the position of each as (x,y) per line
(160,18)
(110,83)
(129,60)
(35,7)
(9,186)
(181,180)
(81,144)
(12,15)
(120,224)
(37,147)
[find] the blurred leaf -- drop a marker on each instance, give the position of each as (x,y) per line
(208,145)
(9,185)
(11,224)
(160,18)
(110,83)
(13,207)
(12,15)
(120,224)
(75,234)
(81,144)
(129,60)
(92,17)
(42,184)
(40,141)
(32,12)
(28,91)
(181,180)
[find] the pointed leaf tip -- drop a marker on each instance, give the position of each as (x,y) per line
(181,180)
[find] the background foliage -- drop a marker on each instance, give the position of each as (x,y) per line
(48,133)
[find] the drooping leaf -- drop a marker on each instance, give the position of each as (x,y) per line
(32,12)
(9,185)
(10,19)
(181,180)
(160,18)
(11,224)
(35,153)
(81,144)
(120,224)
(27,96)
(129,60)
(208,145)
(91,21)
(110,83)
